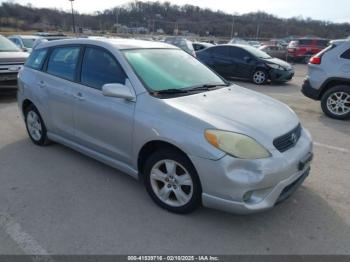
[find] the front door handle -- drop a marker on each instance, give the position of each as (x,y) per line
(42,84)
(79,96)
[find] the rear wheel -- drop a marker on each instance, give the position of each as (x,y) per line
(35,126)
(260,77)
(336,102)
(172,181)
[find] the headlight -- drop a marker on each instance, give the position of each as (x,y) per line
(236,145)
(274,66)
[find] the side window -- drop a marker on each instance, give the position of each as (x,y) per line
(63,62)
(220,52)
(346,54)
(16,41)
(100,68)
(36,59)
(238,53)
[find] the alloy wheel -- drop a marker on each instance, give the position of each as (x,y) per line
(338,103)
(34,125)
(259,77)
(171,183)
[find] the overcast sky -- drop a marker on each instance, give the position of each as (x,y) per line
(330,10)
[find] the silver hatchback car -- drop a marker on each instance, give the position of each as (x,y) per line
(156,113)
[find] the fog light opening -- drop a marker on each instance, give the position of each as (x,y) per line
(247,196)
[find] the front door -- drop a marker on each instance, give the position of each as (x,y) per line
(244,62)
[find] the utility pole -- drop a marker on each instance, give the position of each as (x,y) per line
(257,31)
(116,20)
(233,26)
(73,20)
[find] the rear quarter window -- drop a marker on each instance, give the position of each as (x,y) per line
(36,59)
(346,54)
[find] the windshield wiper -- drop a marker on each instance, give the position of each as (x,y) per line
(170,91)
(205,87)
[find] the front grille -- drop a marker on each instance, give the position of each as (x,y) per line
(289,140)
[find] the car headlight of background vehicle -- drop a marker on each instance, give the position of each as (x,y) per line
(275,66)
(236,145)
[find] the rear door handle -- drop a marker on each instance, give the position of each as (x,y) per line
(79,96)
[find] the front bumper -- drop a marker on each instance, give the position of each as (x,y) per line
(249,186)
(8,80)
(277,75)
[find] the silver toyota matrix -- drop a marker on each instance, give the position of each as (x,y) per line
(158,114)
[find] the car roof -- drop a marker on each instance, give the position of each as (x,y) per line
(118,43)
(26,36)
(340,41)
(203,43)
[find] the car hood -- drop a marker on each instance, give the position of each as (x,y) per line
(13,57)
(279,62)
(239,110)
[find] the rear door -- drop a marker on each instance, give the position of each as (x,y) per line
(103,124)
(59,81)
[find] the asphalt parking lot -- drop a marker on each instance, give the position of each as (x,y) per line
(56,201)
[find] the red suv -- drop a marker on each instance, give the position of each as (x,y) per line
(304,48)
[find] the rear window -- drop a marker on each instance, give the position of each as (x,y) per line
(346,54)
(305,42)
(322,43)
(36,59)
(328,48)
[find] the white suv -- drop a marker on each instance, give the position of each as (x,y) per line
(329,79)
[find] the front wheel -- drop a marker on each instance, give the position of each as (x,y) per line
(336,102)
(172,181)
(260,77)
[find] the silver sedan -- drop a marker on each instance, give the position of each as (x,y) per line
(157,113)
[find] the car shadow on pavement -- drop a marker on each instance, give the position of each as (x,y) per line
(73,204)
(342,126)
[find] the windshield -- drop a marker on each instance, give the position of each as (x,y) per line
(7,46)
(164,69)
(256,52)
(28,42)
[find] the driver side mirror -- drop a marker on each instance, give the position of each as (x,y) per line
(119,91)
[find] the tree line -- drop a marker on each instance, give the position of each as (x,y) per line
(155,16)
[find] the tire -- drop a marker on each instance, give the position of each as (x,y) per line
(335,102)
(35,126)
(260,77)
(178,191)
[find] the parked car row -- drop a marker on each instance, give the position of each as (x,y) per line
(28,42)
(241,61)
